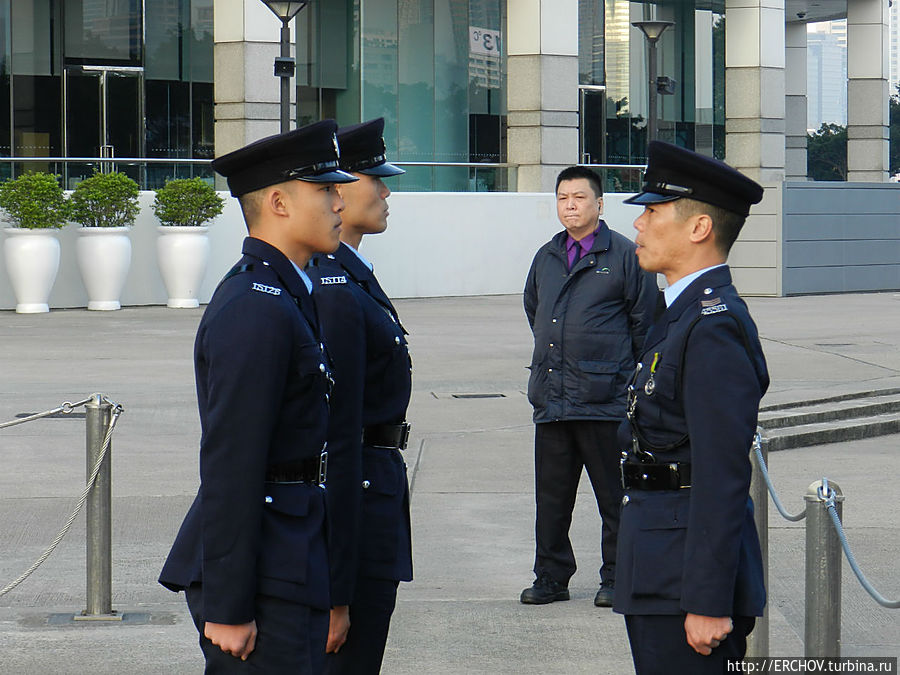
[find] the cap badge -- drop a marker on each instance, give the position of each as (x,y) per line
(337,149)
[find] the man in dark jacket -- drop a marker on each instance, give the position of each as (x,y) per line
(589,306)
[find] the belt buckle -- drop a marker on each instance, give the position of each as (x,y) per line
(404,436)
(323,466)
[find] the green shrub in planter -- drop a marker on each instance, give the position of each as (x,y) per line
(187,202)
(34,201)
(105,200)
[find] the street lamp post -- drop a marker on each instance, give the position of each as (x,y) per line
(284,64)
(652,30)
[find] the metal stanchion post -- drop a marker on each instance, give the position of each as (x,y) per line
(823,571)
(758,640)
(99,515)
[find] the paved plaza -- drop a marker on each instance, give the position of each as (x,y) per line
(471,469)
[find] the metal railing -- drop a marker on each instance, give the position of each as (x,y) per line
(151,173)
(101,416)
(825,539)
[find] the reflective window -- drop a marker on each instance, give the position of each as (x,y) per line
(106,32)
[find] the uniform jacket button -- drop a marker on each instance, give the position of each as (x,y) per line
(366,485)
(321,367)
(396,340)
(268,499)
(625,500)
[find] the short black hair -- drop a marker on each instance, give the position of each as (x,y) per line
(575,172)
(726,224)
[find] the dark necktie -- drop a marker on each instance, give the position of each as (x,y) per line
(576,248)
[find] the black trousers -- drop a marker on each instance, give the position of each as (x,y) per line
(659,646)
(370,619)
(561,449)
(290,638)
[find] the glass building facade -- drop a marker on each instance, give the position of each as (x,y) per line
(102,78)
(434,69)
(134,78)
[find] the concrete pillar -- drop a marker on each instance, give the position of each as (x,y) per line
(542,85)
(755,133)
(868,133)
(247,93)
(795,112)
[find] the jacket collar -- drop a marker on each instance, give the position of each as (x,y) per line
(279,264)
(602,239)
(715,278)
(363,276)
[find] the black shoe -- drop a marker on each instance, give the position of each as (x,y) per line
(604,597)
(544,591)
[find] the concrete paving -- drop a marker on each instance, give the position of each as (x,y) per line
(470,462)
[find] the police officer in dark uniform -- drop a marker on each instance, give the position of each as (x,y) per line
(251,553)
(690,578)
(368,494)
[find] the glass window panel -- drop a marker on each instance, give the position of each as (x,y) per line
(416,80)
(5,93)
(37,111)
(105,32)
(591,20)
(347,101)
(168,111)
(123,115)
(486,95)
(166,46)
(201,44)
(379,71)
(35,43)
(203,120)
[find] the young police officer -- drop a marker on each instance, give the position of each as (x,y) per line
(368,495)
(690,576)
(251,552)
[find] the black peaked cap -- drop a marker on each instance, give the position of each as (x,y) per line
(309,153)
(363,150)
(674,172)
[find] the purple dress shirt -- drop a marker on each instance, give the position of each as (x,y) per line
(577,249)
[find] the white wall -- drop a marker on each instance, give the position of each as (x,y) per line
(437,244)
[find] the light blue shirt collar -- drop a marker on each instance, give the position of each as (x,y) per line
(305,279)
(672,292)
(360,256)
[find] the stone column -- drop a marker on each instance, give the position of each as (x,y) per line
(542,85)
(795,111)
(868,133)
(247,93)
(755,133)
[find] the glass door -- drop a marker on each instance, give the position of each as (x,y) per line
(103,119)
(592,124)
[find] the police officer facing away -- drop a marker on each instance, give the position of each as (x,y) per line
(690,576)
(368,495)
(589,306)
(251,552)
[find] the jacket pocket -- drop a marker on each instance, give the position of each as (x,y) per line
(286,534)
(659,552)
(537,385)
(598,380)
(384,484)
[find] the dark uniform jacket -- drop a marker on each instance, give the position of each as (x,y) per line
(588,327)
(368,494)
(696,549)
(262,387)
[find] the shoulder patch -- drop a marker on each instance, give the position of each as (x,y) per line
(330,281)
(262,288)
(714,309)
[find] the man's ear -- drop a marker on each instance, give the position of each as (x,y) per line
(600,204)
(275,201)
(701,228)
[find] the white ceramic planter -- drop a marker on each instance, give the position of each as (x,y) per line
(32,261)
(104,257)
(182,255)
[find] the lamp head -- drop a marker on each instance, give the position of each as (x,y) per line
(651,29)
(285,10)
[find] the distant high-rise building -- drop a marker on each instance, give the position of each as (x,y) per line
(826,73)
(895,46)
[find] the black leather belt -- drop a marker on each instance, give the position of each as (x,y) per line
(312,470)
(388,436)
(662,476)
